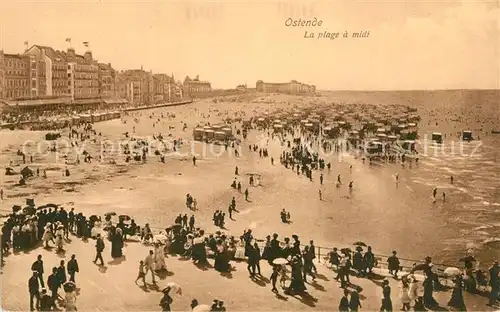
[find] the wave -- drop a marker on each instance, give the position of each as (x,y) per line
(491,240)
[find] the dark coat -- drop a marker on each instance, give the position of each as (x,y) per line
(33,286)
(61,275)
(52,282)
(37,266)
(99,245)
(72,266)
(344,304)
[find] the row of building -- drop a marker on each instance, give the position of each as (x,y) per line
(43,72)
(292,87)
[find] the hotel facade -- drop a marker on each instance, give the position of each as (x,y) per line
(292,87)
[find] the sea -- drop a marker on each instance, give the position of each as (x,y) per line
(472,208)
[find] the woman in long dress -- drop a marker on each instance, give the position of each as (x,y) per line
(159,257)
(429,300)
(47,235)
(457,297)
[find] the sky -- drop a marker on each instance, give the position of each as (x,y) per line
(411,44)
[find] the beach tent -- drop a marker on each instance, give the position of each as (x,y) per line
(198,133)
(220,135)
(209,134)
(467,135)
(437,137)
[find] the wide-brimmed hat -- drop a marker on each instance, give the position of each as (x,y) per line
(385,282)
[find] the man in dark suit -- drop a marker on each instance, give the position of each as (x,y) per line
(72,268)
(53,285)
(99,246)
(34,290)
(38,266)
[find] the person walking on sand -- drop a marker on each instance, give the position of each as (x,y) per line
(34,291)
(320,195)
(321,179)
(274,278)
(194,160)
(451,179)
(142,273)
(72,268)
(344,302)
(246,194)
(354,302)
(386,300)
(405,295)
(99,247)
(150,265)
(444,197)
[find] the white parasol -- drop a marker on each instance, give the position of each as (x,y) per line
(176,288)
(451,271)
(280,261)
(160,238)
(202,308)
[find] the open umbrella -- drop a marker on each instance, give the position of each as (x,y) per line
(124,217)
(110,213)
(69,287)
(176,288)
(359,248)
(280,261)
(358,243)
(160,238)
(202,308)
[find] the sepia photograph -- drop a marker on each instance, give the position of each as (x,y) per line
(278,155)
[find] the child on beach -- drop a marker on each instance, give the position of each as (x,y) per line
(142,273)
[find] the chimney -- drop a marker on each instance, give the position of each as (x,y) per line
(71,53)
(88,56)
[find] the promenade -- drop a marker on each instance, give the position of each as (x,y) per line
(112,288)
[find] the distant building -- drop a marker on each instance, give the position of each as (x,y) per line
(165,88)
(16,81)
(83,75)
(53,74)
(196,88)
(136,85)
(107,80)
(2,75)
(292,87)
(242,88)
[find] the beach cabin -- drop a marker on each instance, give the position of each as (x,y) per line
(228,131)
(374,147)
(220,136)
(382,136)
(409,145)
(278,127)
(85,118)
(198,134)
(467,135)
(437,137)
(209,134)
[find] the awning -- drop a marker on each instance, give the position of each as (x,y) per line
(115,101)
